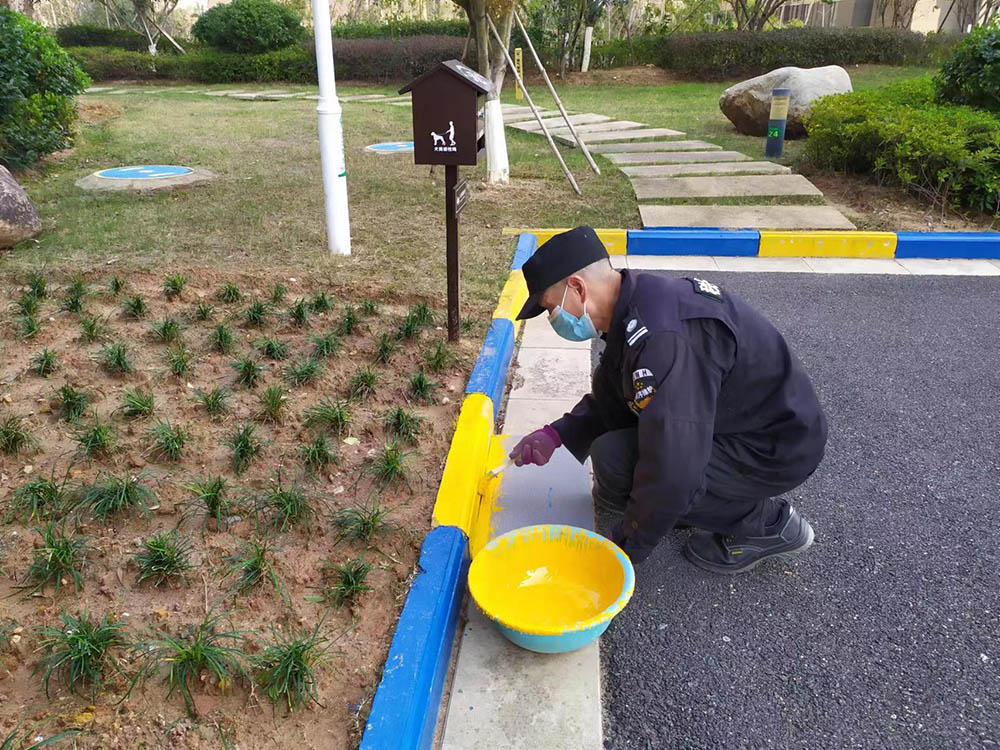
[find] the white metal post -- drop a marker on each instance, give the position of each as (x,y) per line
(331,136)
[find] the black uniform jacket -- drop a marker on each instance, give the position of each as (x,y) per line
(698,371)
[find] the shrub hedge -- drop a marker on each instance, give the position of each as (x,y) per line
(38,81)
(249,26)
(357,59)
(950,153)
(83,35)
(719,55)
(400,29)
(972,74)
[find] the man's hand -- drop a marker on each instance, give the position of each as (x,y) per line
(536,448)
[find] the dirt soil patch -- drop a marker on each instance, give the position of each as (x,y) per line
(95,111)
(234,711)
(639,75)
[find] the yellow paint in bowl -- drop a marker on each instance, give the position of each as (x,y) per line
(550,579)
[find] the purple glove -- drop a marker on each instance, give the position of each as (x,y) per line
(536,448)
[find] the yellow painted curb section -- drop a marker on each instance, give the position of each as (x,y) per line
(828,244)
(481,530)
(615,240)
(512,298)
(458,496)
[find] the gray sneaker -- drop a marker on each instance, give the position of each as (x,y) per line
(727,554)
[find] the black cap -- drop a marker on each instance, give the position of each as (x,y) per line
(562,256)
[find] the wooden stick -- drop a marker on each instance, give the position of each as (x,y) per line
(534,109)
(552,90)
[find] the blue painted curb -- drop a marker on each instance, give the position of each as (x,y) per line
(404,712)
(489,376)
(948,244)
(693,242)
(526,245)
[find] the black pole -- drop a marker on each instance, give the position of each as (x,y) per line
(451,222)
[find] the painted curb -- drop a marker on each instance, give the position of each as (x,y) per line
(404,711)
(713,241)
(408,699)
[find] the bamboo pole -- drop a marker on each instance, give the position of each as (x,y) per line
(552,90)
(534,109)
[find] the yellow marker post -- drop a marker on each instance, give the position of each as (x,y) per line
(519,64)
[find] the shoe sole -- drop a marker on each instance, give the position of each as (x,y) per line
(725,570)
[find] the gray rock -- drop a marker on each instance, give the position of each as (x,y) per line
(18,215)
(748,104)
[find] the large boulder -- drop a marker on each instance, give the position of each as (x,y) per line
(18,215)
(748,104)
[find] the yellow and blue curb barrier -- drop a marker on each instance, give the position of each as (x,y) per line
(406,704)
(799,244)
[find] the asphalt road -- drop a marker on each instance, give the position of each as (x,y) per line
(886,634)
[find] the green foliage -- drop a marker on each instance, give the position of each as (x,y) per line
(38,81)
(80,650)
(348,321)
(325,345)
(972,74)
(246,447)
(173,286)
(15,435)
(230,293)
(36,285)
(116,285)
(75,294)
(71,402)
(440,357)
(422,387)
(388,466)
(36,500)
(167,330)
(422,314)
(116,357)
(253,564)
(163,556)
(84,35)
(28,739)
(286,667)
(361,386)
(272,403)
(92,328)
(178,359)
(400,28)
(28,326)
(361,522)
(27,304)
(316,455)
(59,558)
(113,495)
(277,293)
(719,55)
(273,348)
(45,362)
(210,496)
(168,441)
(96,439)
(249,26)
(299,313)
(256,315)
(211,649)
(403,424)
(138,403)
(204,311)
(408,329)
(386,347)
(329,415)
(222,339)
(320,302)
(949,153)
(285,507)
(369,307)
(214,401)
(303,371)
(135,307)
(247,371)
(344,583)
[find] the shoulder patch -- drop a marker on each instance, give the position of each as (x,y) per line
(706,289)
(631,325)
(643,388)
(635,329)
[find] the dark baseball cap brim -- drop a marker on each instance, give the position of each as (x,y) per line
(560,257)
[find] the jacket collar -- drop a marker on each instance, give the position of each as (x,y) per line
(615,336)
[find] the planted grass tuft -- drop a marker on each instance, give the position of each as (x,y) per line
(163,557)
(92,328)
(113,495)
(167,441)
(15,436)
(27,304)
(178,360)
(210,497)
(348,321)
(387,346)
(81,650)
(215,401)
(229,293)
(369,307)
(256,315)
(299,313)
(138,403)
(316,455)
(167,330)
(59,560)
(439,358)
(422,387)
(116,358)
(334,416)
(388,466)
(272,403)
(203,311)
(408,329)
(285,507)
(344,583)
(422,315)
(173,286)
(116,285)
(247,371)
(303,371)
(252,565)
(325,345)
(320,303)
(135,307)
(28,326)
(31,740)
(95,439)
(245,446)
(403,424)
(277,293)
(36,500)
(286,668)
(37,285)
(221,339)
(275,349)
(361,386)
(72,404)
(361,522)
(45,363)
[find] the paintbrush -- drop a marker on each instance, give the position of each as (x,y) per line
(500,469)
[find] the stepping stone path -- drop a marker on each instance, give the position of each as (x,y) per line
(665,170)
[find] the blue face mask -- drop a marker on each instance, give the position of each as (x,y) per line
(569,326)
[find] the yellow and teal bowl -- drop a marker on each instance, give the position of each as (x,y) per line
(551,588)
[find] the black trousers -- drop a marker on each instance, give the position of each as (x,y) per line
(733,503)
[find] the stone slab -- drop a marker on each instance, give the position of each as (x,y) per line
(745,217)
(97,89)
(949,266)
(226,92)
(523,116)
(276,97)
(402,104)
(706,168)
(742,186)
(362,97)
(555,122)
(622,148)
(514,109)
(623,135)
(551,374)
(677,157)
(597,127)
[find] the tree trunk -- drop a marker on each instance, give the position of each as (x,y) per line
(588,40)
(497,162)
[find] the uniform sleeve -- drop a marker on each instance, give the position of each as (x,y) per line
(676,428)
(580,427)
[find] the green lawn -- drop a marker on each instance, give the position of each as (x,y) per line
(266,210)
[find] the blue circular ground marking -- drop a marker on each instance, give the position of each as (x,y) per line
(144,172)
(393,147)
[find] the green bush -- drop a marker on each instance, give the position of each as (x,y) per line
(82,35)
(618,53)
(972,74)
(38,81)
(949,153)
(378,60)
(400,29)
(249,26)
(728,54)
